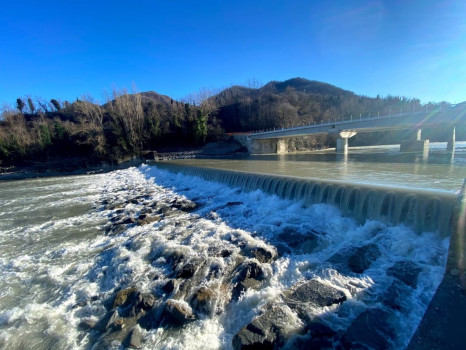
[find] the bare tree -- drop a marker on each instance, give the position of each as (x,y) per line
(253,83)
(42,104)
(127,109)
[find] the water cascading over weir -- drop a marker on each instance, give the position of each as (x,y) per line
(440,212)
(423,210)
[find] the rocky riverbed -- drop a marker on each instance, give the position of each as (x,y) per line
(197,267)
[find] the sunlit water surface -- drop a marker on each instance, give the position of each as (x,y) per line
(54,253)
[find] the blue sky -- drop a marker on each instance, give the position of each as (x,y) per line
(64,49)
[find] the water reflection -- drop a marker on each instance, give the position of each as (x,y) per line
(343,160)
(436,169)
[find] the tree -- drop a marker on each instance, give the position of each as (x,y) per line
(207,106)
(42,104)
(32,108)
(56,104)
(127,113)
(20,104)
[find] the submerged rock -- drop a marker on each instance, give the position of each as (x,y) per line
(145,219)
(111,320)
(319,330)
(396,294)
(406,271)
(87,324)
(299,242)
(187,270)
(363,257)
(370,330)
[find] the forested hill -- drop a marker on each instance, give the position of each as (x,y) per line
(129,123)
(297,101)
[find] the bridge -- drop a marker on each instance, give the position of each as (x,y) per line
(274,141)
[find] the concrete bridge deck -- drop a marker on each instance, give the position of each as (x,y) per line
(274,141)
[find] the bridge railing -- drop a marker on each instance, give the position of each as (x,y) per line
(344,121)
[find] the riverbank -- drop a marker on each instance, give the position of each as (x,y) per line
(62,167)
(83,166)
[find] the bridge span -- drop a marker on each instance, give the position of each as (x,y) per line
(275,141)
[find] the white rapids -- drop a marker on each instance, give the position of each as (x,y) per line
(60,266)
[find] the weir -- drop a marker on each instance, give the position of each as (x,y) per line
(423,210)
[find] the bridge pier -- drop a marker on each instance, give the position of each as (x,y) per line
(342,141)
(451,141)
(269,146)
(416,145)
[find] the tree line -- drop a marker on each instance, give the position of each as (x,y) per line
(127,124)
(301,102)
(124,126)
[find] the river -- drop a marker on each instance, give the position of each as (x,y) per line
(200,260)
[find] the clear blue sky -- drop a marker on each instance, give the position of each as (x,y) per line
(64,49)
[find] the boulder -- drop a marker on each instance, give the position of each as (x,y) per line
(248,283)
(203,300)
(263,255)
(363,257)
(249,275)
(370,330)
(313,292)
(406,271)
(250,269)
(140,304)
(177,313)
(111,320)
(184,204)
(124,297)
(268,331)
(133,340)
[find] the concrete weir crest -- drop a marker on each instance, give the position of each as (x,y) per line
(442,327)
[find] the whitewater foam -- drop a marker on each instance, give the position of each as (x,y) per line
(66,269)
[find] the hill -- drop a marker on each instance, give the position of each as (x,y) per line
(128,124)
(297,101)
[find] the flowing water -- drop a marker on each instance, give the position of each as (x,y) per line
(69,244)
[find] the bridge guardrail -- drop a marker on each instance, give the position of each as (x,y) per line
(344,121)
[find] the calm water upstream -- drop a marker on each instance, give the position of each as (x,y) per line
(440,169)
(199,260)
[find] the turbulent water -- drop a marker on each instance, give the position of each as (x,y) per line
(69,245)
